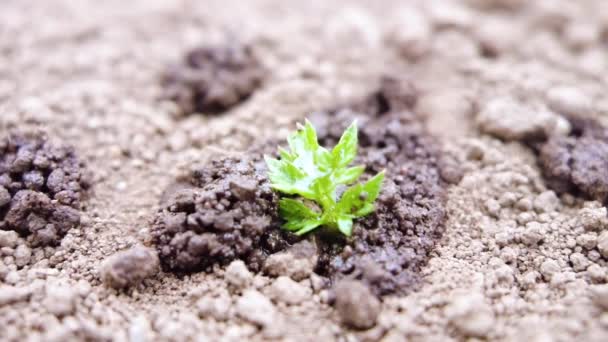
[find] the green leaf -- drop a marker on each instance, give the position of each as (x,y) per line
(347,176)
(345,225)
(308,225)
(372,187)
(358,199)
(291,209)
(310,171)
(346,149)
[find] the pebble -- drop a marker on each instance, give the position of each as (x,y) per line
(508,119)
(22,255)
(471,315)
(596,273)
(254,307)
(546,202)
(600,296)
(60,299)
(129,268)
(5,196)
(237,275)
(8,238)
(356,305)
(285,290)
(12,294)
(298,262)
(587,240)
(593,219)
(579,262)
(548,268)
(569,100)
(216,307)
(533,233)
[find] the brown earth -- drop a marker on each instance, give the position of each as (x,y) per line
(517,260)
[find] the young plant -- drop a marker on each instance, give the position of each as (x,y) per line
(312,175)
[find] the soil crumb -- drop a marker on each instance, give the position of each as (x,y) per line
(228,212)
(389,247)
(577,163)
(41,188)
(212,79)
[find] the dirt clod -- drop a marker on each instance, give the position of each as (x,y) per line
(577,163)
(212,79)
(256,308)
(356,305)
(297,262)
(217,220)
(41,188)
(129,268)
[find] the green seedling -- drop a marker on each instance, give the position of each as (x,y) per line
(310,177)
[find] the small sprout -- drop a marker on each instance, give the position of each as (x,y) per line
(309,172)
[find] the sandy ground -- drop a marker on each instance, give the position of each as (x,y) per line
(516,262)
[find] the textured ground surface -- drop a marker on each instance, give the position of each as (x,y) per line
(495,78)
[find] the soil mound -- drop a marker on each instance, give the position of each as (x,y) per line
(223,212)
(211,79)
(41,188)
(390,246)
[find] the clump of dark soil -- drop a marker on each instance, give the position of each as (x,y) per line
(224,211)
(577,163)
(227,210)
(389,247)
(211,79)
(41,188)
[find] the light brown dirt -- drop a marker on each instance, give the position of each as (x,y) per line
(516,261)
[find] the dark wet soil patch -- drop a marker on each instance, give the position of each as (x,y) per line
(389,247)
(212,79)
(41,188)
(577,163)
(227,210)
(222,212)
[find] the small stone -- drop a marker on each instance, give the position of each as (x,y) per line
(602,244)
(237,275)
(12,277)
(471,315)
(298,262)
(254,307)
(592,218)
(11,294)
(546,202)
(509,119)
(8,238)
(533,234)
(548,268)
(218,307)
(60,299)
(140,329)
(285,290)
(5,197)
(129,268)
(493,207)
(588,240)
(569,100)
(596,273)
(579,262)
(22,255)
(600,296)
(356,304)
